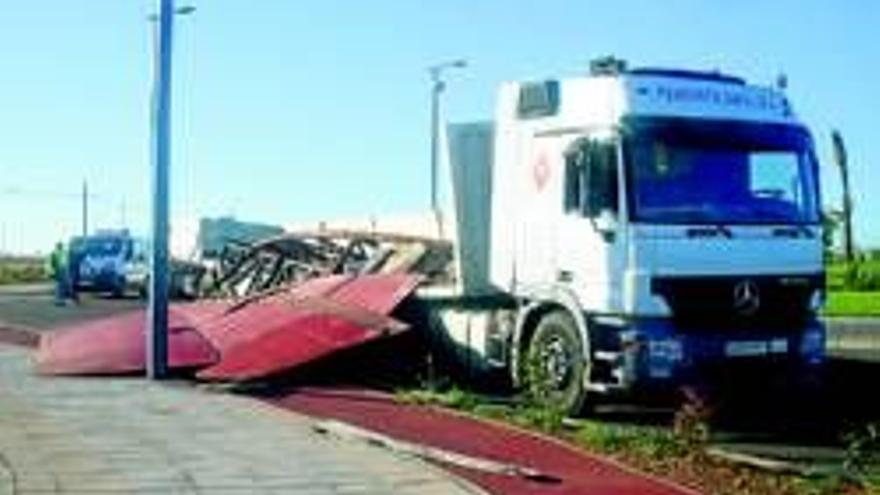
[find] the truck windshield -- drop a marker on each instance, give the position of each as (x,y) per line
(687,171)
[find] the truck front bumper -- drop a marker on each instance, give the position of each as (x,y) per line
(655,353)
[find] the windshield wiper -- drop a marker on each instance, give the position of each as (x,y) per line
(794,232)
(725,230)
(703,214)
(713,230)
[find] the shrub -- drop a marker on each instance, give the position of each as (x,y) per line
(12,272)
(644,441)
(691,422)
(863,450)
(862,277)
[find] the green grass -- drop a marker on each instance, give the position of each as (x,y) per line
(835,276)
(646,441)
(609,438)
(851,303)
(843,300)
(836,271)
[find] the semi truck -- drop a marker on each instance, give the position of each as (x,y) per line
(629,230)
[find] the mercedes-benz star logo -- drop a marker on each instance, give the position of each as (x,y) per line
(746,298)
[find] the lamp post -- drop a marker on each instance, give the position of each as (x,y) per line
(840,157)
(437,87)
(85,208)
(157,311)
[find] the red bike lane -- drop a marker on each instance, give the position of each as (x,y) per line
(570,471)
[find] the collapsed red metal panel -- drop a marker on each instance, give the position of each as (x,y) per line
(243,321)
(377,293)
(116,345)
(307,337)
(290,329)
(246,340)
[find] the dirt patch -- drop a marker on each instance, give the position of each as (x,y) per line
(22,337)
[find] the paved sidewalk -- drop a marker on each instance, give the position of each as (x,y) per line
(109,436)
(855,339)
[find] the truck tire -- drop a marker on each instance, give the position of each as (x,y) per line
(555,364)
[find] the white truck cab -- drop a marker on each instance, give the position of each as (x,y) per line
(633,228)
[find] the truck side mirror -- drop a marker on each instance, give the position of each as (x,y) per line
(573,193)
(606,224)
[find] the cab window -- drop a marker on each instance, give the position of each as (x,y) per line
(591,181)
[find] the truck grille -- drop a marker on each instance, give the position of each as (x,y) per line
(773,302)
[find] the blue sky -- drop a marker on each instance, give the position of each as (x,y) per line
(289,110)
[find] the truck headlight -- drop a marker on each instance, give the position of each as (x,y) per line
(817,300)
(813,344)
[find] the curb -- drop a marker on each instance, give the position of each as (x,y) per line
(315,421)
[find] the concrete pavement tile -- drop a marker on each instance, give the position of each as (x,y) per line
(41,482)
(93,436)
(315,490)
(7,480)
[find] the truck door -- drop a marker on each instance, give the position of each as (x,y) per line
(538,212)
(590,257)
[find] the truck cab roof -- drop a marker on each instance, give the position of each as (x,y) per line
(606,98)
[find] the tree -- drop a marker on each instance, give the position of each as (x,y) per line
(831,221)
(841,159)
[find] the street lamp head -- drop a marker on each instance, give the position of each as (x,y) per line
(181,11)
(838,148)
(453,64)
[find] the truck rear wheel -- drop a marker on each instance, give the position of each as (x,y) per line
(555,364)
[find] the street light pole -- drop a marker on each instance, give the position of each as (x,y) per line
(437,87)
(157,315)
(85,208)
(157,310)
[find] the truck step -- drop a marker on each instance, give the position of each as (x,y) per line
(609,356)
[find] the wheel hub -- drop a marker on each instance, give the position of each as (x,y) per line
(557,363)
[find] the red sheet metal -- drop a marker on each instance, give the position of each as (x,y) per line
(245,321)
(578,472)
(302,339)
(116,345)
(240,341)
(377,293)
(290,329)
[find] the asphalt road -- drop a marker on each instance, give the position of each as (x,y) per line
(854,339)
(33,307)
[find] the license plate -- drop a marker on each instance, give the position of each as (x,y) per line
(745,348)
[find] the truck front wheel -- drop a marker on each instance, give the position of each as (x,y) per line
(555,364)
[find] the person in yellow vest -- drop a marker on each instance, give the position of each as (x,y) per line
(58,271)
